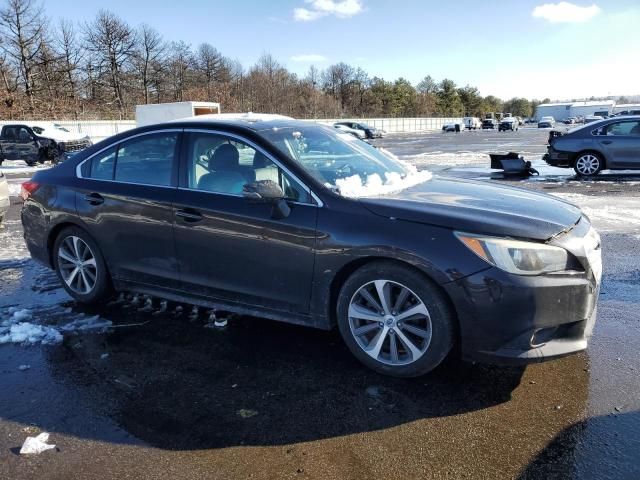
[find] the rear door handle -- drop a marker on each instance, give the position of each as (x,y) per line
(606,142)
(94,198)
(189,215)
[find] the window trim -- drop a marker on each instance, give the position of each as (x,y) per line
(318,203)
(116,144)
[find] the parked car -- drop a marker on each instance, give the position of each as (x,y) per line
(612,144)
(370,132)
(292,221)
(36,142)
(569,120)
(489,124)
(592,118)
(472,123)
(626,112)
(352,131)
(453,127)
(508,123)
(547,122)
(4,196)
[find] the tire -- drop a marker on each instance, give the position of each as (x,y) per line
(70,245)
(430,331)
(588,164)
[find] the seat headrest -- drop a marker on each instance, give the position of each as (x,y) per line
(260,160)
(225,157)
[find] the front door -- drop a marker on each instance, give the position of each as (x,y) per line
(26,146)
(125,199)
(621,144)
(231,249)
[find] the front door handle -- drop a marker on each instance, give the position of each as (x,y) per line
(94,198)
(189,215)
(607,142)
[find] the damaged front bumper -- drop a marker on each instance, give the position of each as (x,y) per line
(514,319)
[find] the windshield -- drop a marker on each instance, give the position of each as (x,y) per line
(343,163)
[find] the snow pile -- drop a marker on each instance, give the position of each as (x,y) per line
(355,186)
(18,328)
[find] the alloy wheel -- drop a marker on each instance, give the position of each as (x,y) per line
(587,164)
(390,323)
(77,265)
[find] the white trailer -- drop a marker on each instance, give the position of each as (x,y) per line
(164,112)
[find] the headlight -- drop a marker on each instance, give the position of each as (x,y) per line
(518,257)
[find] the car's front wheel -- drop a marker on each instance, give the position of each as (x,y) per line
(81,267)
(394,320)
(588,164)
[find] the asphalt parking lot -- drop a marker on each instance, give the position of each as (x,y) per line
(148,390)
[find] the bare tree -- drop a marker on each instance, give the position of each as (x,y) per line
(179,64)
(71,57)
(21,30)
(149,55)
(211,65)
(112,43)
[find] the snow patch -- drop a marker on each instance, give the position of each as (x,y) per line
(29,334)
(17,328)
(624,215)
(15,189)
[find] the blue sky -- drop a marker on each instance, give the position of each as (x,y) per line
(565,50)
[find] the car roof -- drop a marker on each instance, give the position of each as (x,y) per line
(254,122)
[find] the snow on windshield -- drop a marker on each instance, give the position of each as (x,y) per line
(373,185)
(343,163)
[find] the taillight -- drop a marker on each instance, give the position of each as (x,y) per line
(28,188)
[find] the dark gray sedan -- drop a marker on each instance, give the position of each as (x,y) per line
(305,224)
(612,144)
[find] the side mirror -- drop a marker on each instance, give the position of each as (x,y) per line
(269,192)
(263,191)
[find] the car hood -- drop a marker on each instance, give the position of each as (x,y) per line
(478,207)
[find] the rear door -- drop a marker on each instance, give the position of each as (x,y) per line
(620,141)
(125,200)
(230,248)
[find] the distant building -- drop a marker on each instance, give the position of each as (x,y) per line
(560,111)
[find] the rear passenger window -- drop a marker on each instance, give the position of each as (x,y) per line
(102,165)
(147,159)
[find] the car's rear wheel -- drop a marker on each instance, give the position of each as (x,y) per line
(588,164)
(394,320)
(81,267)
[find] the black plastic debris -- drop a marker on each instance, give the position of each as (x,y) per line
(512,164)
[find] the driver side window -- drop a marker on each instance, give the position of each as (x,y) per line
(221,164)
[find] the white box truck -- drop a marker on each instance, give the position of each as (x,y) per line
(164,112)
